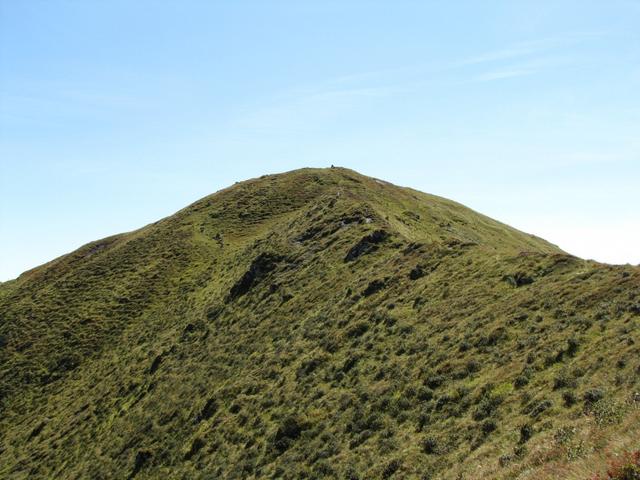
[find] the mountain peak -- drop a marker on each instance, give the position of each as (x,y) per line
(413,215)
(316,324)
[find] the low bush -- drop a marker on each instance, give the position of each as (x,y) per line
(572,346)
(424,394)
(564,380)
(504,460)
(488,426)
(592,396)
(288,431)
(430,445)
(521,381)
(473,366)
(391,468)
(607,411)
(569,398)
(486,407)
(540,407)
(526,432)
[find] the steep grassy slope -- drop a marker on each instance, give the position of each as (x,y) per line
(319,324)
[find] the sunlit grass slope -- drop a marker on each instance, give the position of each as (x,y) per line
(319,324)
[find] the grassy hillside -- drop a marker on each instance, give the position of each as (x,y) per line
(319,324)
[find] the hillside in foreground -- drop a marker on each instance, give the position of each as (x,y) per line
(319,324)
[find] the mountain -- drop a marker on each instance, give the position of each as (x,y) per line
(319,324)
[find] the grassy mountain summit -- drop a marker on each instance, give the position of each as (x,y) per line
(319,324)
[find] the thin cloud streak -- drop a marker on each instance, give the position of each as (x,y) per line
(524,49)
(311,105)
(502,74)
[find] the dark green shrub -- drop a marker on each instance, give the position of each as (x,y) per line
(518,279)
(373,287)
(564,380)
(324,469)
(526,432)
(569,398)
(442,401)
(402,404)
(289,430)
(488,426)
(520,451)
(430,445)
(307,367)
(572,346)
(417,272)
(392,467)
(592,396)
(208,410)
(349,363)
(351,473)
(424,394)
(434,381)
(473,366)
(196,446)
(423,420)
(360,439)
(372,421)
(357,329)
(520,381)
(540,407)
(486,407)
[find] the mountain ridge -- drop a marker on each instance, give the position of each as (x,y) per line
(313,171)
(305,309)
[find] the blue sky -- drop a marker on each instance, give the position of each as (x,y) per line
(114,114)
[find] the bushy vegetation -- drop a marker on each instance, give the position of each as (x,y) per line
(316,324)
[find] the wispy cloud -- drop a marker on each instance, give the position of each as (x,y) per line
(521,50)
(309,107)
(522,59)
(519,68)
(516,51)
(305,110)
(502,74)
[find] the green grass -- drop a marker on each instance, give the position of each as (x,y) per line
(420,354)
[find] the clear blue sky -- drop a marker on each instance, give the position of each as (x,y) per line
(116,113)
